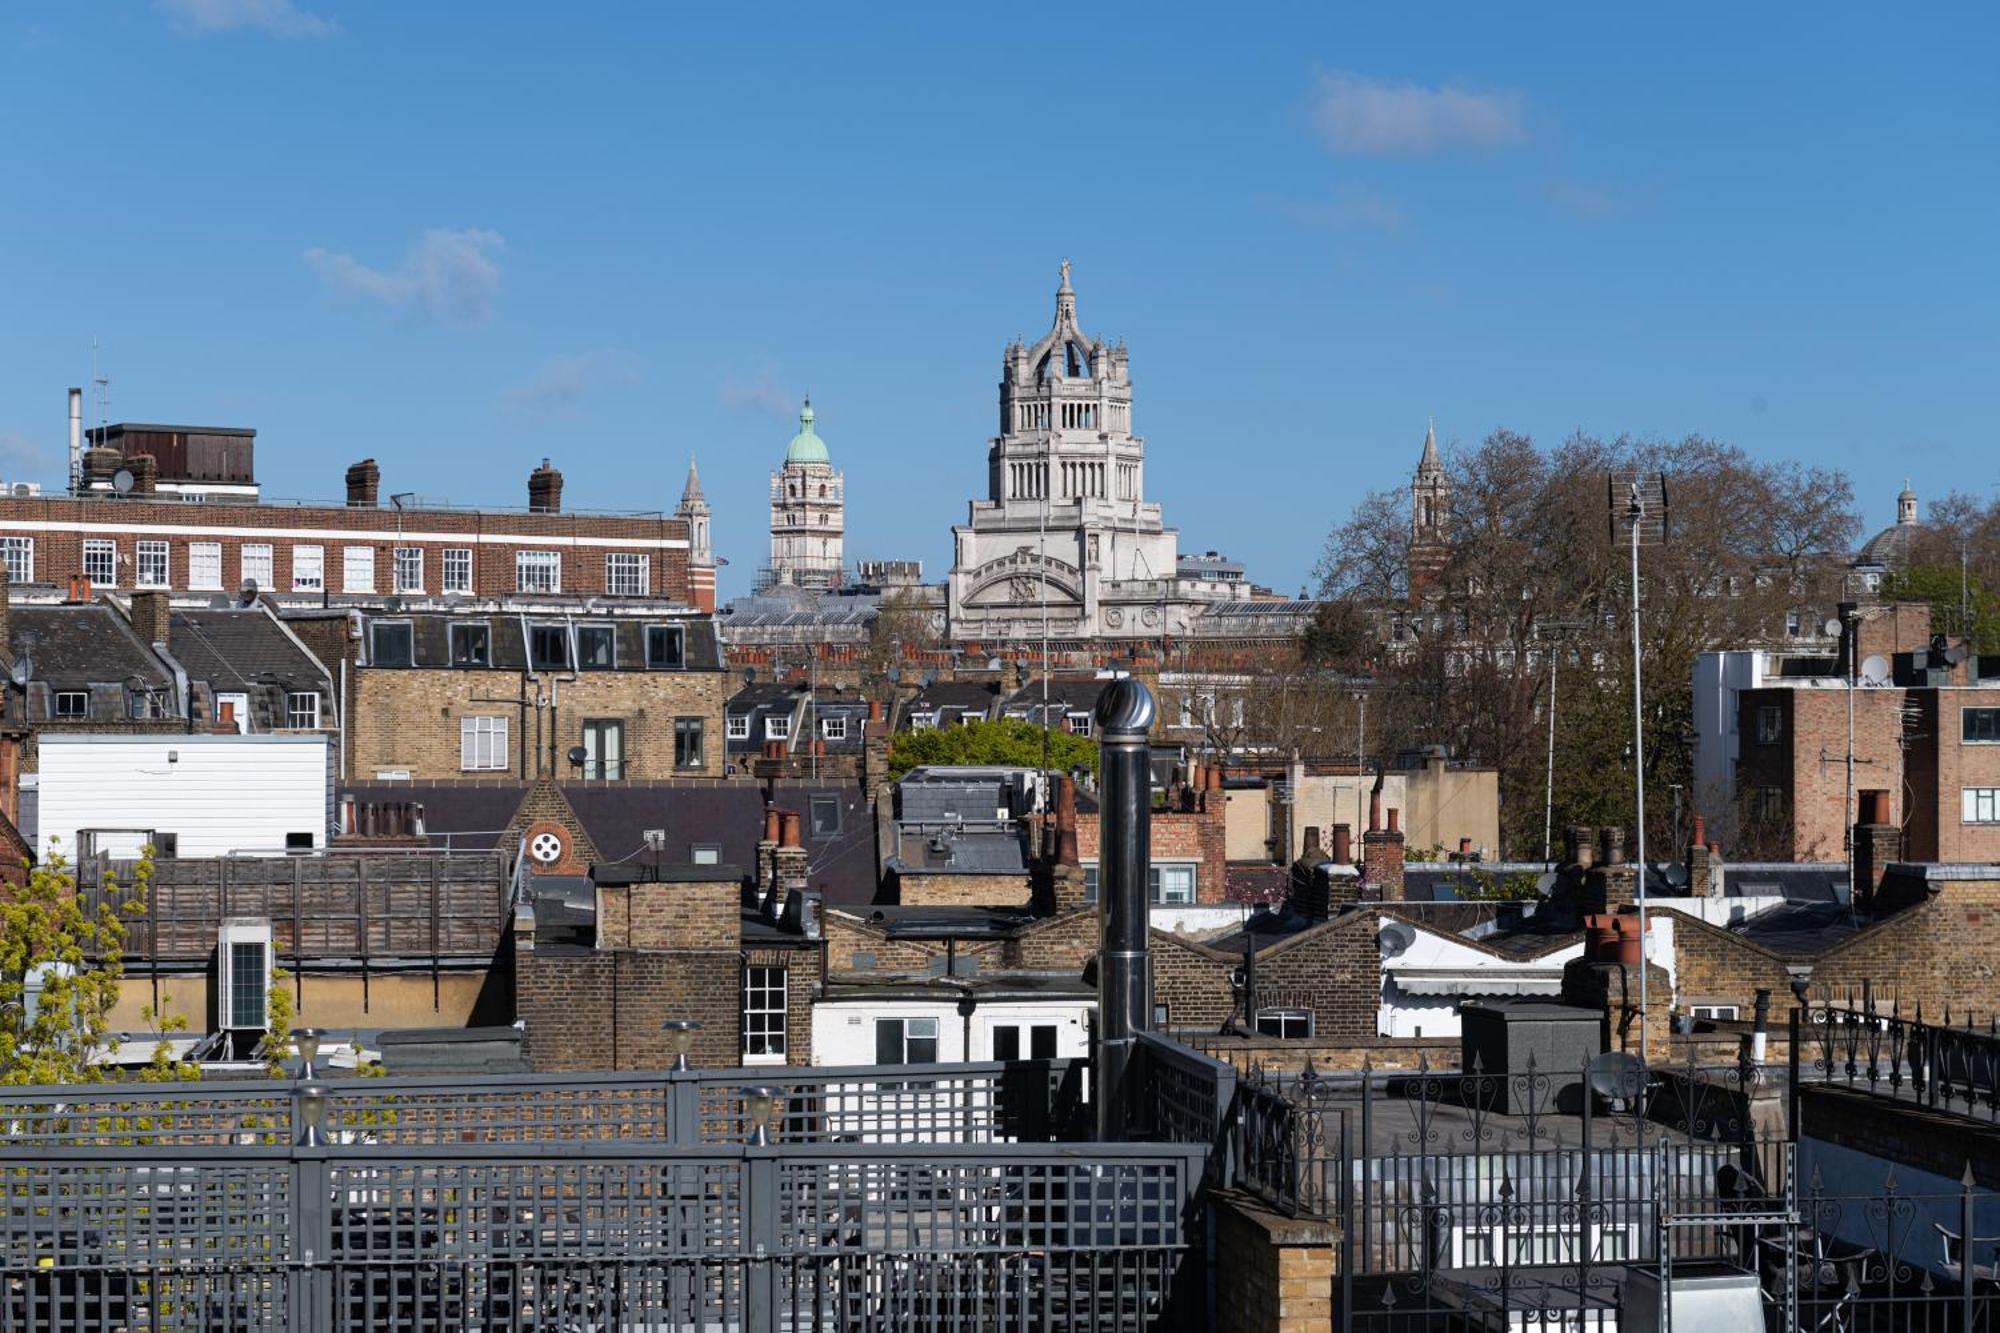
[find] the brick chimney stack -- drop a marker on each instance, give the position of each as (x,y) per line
(150,615)
(545,489)
(145,471)
(364,485)
(6,616)
(1878,844)
(788,864)
(1704,864)
(1382,857)
(1066,877)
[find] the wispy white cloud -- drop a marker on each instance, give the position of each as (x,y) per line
(1350,210)
(1366,117)
(279,17)
(449,275)
(564,380)
(1592,203)
(759,394)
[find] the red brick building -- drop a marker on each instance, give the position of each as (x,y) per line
(187,517)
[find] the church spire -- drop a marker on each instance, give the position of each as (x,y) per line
(1429,462)
(692,491)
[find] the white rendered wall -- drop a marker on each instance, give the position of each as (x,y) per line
(219,794)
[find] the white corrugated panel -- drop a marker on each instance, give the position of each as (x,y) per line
(217,794)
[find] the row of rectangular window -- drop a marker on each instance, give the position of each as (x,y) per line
(302,708)
(1977,726)
(779,728)
(482,745)
(626,573)
(392,643)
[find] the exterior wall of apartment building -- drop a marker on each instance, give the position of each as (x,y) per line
(1792,763)
(187,546)
(1198,839)
(412,720)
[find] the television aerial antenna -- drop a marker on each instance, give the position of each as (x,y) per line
(1637,502)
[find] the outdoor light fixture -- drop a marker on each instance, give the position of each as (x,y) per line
(308,1105)
(763,1106)
(682,1030)
(307,1042)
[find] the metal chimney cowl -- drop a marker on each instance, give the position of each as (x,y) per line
(1124,968)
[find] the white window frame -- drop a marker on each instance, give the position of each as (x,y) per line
(20,554)
(627,574)
(738,726)
(457,566)
(482,743)
(302,710)
(1979,805)
(1077,724)
(833,728)
(308,569)
(56,702)
(407,569)
(777,727)
(357,569)
(255,563)
(766,991)
(923,721)
(1727,1013)
(1285,1016)
(538,571)
(205,565)
(147,552)
(1156,887)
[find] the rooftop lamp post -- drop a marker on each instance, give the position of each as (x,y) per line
(763,1105)
(681,1033)
(308,1106)
(307,1042)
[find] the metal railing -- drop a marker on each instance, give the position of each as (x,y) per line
(1943,1066)
(1029,1101)
(836,1199)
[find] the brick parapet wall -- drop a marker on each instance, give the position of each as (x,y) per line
(1275,1274)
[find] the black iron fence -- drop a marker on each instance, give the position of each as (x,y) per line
(1945,1065)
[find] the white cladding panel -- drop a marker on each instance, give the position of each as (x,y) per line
(844,1031)
(218,794)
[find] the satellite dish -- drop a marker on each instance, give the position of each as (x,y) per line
(23,669)
(1875,670)
(1954,654)
(1832,627)
(749,675)
(577,756)
(122,481)
(1617,1076)
(1675,874)
(1545,883)
(1395,938)
(929,679)
(893,674)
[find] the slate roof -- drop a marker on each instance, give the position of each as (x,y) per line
(1065,696)
(950,702)
(232,650)
(431,638)
(76,646)
(1800,928)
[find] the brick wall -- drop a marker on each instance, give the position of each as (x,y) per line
(1200,835)
(1332,970)
(59,525)
(585,1010)
(1275,1274)
(1807,762)
(683,915)
(916,889)
(408,718)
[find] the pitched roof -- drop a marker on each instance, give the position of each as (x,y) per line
(241,648)
(75,646)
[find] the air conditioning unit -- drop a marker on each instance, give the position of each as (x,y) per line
(24,490)
(243,975)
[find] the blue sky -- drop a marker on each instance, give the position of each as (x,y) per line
(459,238)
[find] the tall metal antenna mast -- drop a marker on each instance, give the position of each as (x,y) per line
(1638,512)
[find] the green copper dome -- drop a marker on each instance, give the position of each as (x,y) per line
(806,447)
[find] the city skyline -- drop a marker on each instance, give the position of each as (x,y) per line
(1313,234)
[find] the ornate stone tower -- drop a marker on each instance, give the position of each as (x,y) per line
(693,510)
(808,514)
(1430,517)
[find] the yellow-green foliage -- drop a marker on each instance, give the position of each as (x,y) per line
(46,925)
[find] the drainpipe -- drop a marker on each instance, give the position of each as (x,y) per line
(1124,971)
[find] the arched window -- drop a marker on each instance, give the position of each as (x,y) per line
(822,490)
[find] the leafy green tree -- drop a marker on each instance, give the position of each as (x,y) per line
(1012,742)
(1960,603)
(61,953)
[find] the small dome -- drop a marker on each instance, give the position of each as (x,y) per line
(806,447)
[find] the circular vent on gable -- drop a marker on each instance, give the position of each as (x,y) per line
(546,847)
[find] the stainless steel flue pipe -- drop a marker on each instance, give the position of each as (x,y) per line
(1124,856)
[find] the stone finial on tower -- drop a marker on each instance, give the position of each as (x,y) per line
(1065,298)
(1906,505)
(1429,465)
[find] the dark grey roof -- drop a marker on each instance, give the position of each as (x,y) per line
(431,637)
(463,816)
(241,649)
(1067,696)
(950,701)
(987,986)
(1800,883)
(1800,928)
(1893,546)
(902,922)
(943,849)
(79,645)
